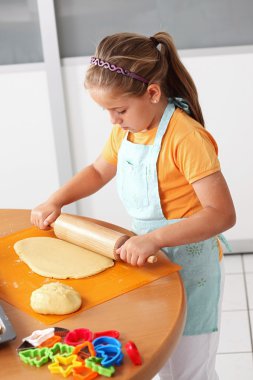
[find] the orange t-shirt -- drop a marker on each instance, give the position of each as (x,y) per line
(188,153)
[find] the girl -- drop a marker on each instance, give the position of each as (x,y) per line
(168,178)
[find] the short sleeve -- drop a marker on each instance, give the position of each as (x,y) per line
(197,156)
(111,148)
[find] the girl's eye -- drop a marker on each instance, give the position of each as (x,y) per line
(121,112)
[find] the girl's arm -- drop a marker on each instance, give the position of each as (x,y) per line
(217,215)
(86,182)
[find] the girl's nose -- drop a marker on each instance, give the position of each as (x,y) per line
(115,118)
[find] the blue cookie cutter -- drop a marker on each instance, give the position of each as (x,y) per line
(109,349)
(105,340)
(111,355)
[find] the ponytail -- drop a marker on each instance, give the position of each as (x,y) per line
(178,82)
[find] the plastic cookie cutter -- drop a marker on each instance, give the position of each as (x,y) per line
(35,356)
(104,340)
(60,349)
(39,336)
(94,364)
(77,336)
(82,346)
(110,333)
(84,373)
(60,362)
(51,341)
(25,346)
(133,353)
(60,331)
(110,355)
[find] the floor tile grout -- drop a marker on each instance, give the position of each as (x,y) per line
(246,309)
(247,302)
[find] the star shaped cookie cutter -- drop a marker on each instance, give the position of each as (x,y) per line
(70,361)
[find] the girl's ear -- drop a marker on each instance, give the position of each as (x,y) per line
(154,92)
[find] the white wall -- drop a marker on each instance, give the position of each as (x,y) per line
(224,79)
(225,84)
(27,157)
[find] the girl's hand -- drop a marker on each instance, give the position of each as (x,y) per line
(45,214)
(137,249)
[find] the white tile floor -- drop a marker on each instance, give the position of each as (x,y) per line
(235,356)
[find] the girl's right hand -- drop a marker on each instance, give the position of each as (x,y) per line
(45,214)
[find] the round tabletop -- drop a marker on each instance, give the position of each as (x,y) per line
(152,316)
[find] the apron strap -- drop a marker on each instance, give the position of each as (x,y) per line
(181,103)
(168,112)
(223,240)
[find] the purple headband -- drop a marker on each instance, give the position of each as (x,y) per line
(106,65)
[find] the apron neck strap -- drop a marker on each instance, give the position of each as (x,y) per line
(168,112)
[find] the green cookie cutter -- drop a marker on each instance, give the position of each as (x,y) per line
(35,356)
(61,349)
(94,364)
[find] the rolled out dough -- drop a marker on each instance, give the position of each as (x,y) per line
(55,258)
(55,298)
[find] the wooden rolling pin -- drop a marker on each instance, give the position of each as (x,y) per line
(92,236)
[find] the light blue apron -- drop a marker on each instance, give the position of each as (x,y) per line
(137,185)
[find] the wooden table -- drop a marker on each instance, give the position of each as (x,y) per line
(152,316)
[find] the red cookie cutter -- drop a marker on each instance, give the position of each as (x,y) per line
(78,336)
(111,333)
(133,353)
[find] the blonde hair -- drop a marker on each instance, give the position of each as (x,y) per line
(139,54)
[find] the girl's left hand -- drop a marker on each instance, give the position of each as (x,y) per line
(137,249)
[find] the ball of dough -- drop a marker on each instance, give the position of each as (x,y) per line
(55,298)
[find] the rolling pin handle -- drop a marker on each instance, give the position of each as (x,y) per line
(121,241)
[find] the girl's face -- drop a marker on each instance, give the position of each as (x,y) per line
(131,113)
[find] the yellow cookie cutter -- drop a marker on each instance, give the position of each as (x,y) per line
(69,361)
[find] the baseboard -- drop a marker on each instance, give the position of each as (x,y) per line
(240,246)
